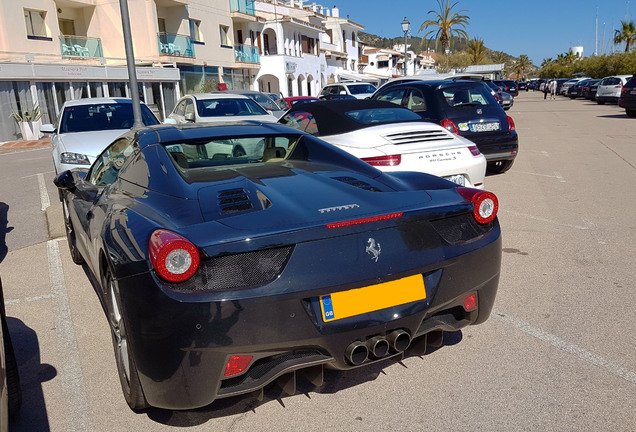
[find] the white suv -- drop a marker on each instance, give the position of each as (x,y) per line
(609,89)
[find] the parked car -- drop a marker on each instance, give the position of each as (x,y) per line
(590,89)
(359,90)
(218,107)
(391,138)
(10,391)
(86,126)
(508,86)
(578,89)
(609,89)
(297,100)
(566,84)
(219,276)
(505,99)
(628,97)
(466,108)
(262,99)
(522,85)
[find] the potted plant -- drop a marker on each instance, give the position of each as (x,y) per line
(29,123)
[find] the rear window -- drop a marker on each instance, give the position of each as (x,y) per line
(467,95)
(382,115)
(355,89)
(228,107)
(631,82)
(199,154)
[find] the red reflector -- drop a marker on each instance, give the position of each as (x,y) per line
(237,364)
(364,220)
(392,160)
(470,302)
(474,150)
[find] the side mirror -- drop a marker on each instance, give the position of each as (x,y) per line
(189,117)
(65,181)
(47,128)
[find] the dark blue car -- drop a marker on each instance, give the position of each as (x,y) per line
(232,256)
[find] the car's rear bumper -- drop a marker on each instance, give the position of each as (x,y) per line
(497,147)
(181,347)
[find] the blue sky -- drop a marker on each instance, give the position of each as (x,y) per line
(540,29)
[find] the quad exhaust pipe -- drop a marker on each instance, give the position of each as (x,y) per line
(377,347)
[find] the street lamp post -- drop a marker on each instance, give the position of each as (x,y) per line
(130,62)
(406,26)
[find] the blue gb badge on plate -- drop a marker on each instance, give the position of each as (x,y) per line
(327,308)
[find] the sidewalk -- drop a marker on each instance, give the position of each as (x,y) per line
(16,146)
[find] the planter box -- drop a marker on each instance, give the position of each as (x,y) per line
(30,130)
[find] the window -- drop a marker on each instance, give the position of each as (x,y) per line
(35,23)
(106,168)
(239,37)
(195,30)
(394,96)
(161,24)
(225,36)
(302,121)
(353,38)
(67,27)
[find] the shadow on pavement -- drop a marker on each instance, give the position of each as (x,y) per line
(335,381)
(33,373)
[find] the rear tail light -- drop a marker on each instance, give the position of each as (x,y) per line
(624,90)
(470,302)
(174,258)
(474,150)
(485,204)
(450,126)
(392,160)
(511,124)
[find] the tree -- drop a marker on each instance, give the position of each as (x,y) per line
(546,62)
(522,66)
(626,34)
(476,51)
(447,24)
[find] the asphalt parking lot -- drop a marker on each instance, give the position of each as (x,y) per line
(556,354)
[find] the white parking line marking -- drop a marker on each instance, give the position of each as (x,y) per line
(71,368)
(44,195)
(556,176)
(579,227)
(29,299)
(559,177)
(35,175)
(557,342)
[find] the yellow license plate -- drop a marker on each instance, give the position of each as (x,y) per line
(345,304)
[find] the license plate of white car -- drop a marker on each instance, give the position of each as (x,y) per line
(484,127)
(457,179)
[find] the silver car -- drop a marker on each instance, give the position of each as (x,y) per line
(85,127)
(609,89)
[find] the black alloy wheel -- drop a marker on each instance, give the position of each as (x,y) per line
(126,368)
(76,256)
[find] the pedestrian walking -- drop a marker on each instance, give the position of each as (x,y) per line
(553,89)
(546,89)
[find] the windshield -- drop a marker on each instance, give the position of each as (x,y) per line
(229,107)
(360,88)
(97,117)
(264,100)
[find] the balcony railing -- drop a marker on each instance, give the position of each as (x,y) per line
(81,46)
(245,6)
(175,45)
(246,54)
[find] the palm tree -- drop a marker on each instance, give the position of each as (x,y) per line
(546,61)
(522,65)
(476,51)
(627,34)
(446,24)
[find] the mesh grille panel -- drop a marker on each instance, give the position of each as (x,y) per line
(357,183)
(238,271)
(460,229)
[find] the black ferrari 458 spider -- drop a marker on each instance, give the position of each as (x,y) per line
(228,257)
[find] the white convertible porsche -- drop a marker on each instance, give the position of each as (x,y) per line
(391,138)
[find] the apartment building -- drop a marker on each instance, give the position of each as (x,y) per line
(56,50)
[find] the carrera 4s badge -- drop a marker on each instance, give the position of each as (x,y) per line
(337,208)
(373,249)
